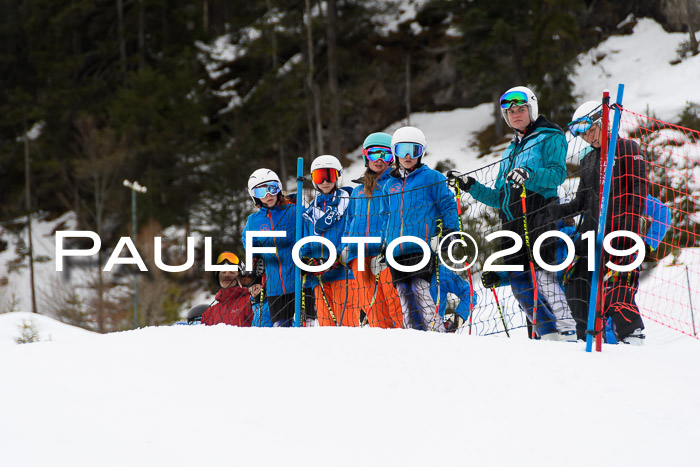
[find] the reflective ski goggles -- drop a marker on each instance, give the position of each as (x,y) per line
(319,176)
(512,98)
(374,153)
(583,124)
(229,257)
(261,191)
(414,150)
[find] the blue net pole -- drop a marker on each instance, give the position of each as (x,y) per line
(297,271)
(612,145)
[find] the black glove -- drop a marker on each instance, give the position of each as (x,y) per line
(258,267)
(517,177)
(464,185)
(490,279)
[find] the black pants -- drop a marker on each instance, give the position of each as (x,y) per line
(411,259)
(619,303)
(282,308)
(618,300)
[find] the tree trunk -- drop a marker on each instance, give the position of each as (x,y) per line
(276,97)
(205,16)
(142,35)
(120,34)
(331,29)
(28,205)
(408,90)
(311,83)
(498,118)
(691,27)
(99,207)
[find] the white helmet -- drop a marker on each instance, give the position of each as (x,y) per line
(530,98)
(261,176)
(408,134)
(328,162)
(591,109)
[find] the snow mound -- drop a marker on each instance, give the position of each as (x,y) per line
(48,329)
(196,395)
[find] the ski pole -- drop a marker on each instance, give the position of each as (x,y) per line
(345,302)
(500,312)
(458,199)
(532,265)
(325,299)
(303,301)
(437,277)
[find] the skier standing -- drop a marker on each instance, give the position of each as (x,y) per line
(414,198)
(276,213)
(534,164)
(375,294)
(327,217)
(628,198)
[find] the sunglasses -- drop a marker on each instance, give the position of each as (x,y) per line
(512,98)
(261,191)
(375,153)
(229,257)
(319,176)
(414,150)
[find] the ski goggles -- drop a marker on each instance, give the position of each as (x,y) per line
(414,150)
(229,257)
(582,125)
(319,176)
(261,191)
(375,153)
(512,98)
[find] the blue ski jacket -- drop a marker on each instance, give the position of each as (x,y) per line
(451,282)
(279,267)
(327,217)
(365,217)
(412,203)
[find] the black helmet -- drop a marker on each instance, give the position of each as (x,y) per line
(194,316)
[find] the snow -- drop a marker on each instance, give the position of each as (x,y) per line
(195,395)
(48,329)
(401,12)
(642,62)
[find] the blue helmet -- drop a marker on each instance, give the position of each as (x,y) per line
(376,139)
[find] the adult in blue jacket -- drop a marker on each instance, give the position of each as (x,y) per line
(276,213)
(534,164)
(414,198)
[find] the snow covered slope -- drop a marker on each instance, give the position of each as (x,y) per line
(195,395)
(48,329)
(642,62)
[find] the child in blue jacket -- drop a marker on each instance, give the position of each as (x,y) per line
(415,198)
(276,213)
(327,217)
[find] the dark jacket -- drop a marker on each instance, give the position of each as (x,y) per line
(628,193)
(232,307)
